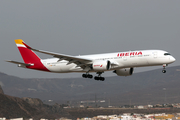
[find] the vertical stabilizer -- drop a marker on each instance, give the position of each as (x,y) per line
(29,56)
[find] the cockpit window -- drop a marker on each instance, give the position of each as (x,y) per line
(167,54)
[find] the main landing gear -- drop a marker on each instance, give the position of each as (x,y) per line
(87,75)
(99,77)
(164,68)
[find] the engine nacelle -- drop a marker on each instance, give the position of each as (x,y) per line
(101,65)
(124,72)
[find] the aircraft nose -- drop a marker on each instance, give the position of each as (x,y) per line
(172,59)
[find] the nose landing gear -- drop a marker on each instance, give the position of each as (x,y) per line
(164,68)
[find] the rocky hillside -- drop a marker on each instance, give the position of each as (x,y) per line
(14,107)
(1,90)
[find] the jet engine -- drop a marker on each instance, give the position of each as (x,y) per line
(101,65)
(124,71)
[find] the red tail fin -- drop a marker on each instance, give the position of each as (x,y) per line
(29,56)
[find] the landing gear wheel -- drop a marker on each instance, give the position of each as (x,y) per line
(96,78)
(99,78)
(102,78)
(84,75)
(163,71)
(87,76)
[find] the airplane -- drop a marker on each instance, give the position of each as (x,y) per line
(121,63)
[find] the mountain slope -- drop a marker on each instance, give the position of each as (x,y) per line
(14,107)
(140,88)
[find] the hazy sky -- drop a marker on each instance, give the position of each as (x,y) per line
(79,27)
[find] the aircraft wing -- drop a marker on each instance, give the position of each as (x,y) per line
(72,59)
(19,63)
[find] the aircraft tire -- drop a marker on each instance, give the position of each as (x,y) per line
(89,76)
(84,76)
(102,78)
(99,78)
(163,71)
(96,78)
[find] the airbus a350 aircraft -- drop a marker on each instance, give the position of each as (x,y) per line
(121,63)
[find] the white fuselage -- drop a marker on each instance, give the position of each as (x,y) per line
(128,59)
(122,63)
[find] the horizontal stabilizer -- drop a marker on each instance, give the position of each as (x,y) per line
(19,63)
